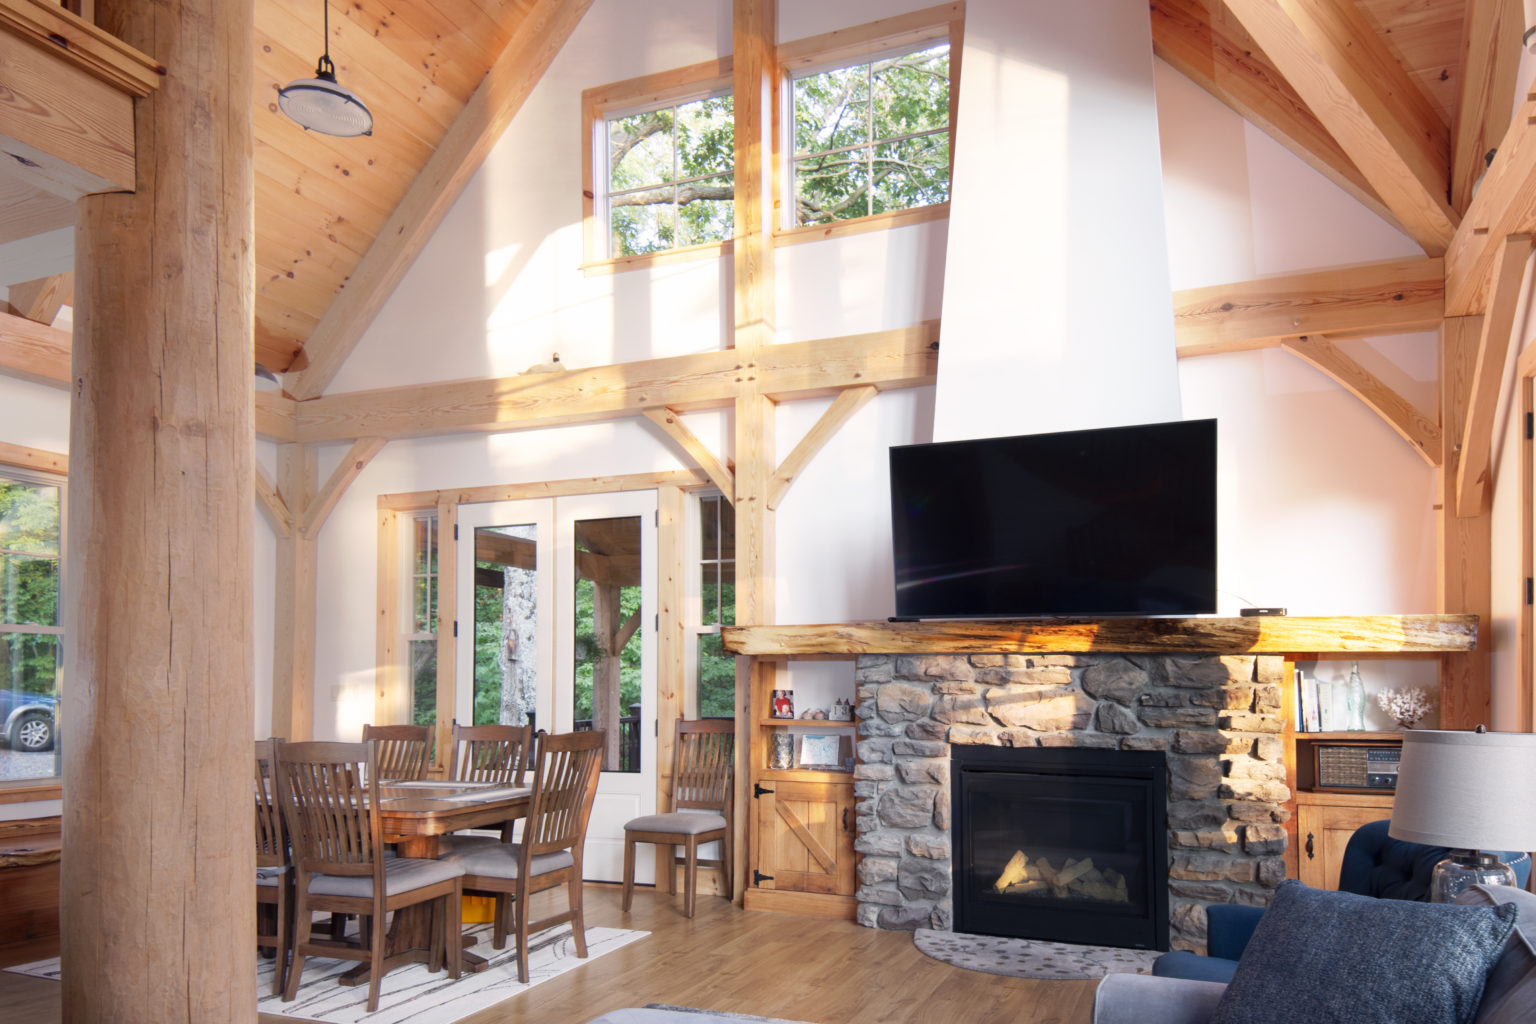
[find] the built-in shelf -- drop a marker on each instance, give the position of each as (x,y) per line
(810,723)
(1275,634)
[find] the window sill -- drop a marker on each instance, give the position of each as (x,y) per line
(875,222)
(686,254)
(31,790)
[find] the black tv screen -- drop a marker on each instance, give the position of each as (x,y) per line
(1115,521)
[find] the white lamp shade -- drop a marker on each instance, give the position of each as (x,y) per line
(1466,790)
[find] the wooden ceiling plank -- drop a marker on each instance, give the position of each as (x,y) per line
(1421,432)
(838,413)
(439,184)
(41,299)
(671,423)
(1380,298)
(1489,62)
(1505,205)
(1475,471)
(354,462)
(1205,43)
(706,380)
(449,43)
(1338,65)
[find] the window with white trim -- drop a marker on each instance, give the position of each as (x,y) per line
(31,636)
(714,671)
(421,637)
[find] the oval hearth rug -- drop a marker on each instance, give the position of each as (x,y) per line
(1032,958)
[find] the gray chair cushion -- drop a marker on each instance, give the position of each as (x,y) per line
(462,842)
(1319,956)
(401,874)
(271,875)
(499,860)
(1510,994)
(681,822)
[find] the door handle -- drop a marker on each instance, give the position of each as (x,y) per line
(845,820)
(1310,853)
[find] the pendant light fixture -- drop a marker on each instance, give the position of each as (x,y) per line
(321,105)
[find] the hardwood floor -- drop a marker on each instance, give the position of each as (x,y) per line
(773,965)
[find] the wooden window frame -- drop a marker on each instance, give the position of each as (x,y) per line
(843,48)
(633,95)
(55,466)
(692,621)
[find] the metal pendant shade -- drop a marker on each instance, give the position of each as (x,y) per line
(320,104)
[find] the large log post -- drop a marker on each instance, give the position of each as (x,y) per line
(157,910)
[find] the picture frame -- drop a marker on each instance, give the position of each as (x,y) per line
(783,704)
(821,752)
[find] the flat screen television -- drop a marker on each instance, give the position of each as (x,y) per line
(1107,522)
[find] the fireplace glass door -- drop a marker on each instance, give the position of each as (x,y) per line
(1061,844)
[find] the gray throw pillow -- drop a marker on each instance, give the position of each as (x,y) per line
(1320,956)
(1510,995)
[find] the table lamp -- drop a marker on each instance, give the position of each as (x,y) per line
(1464,790)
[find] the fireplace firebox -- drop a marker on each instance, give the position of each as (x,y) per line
(1063,844)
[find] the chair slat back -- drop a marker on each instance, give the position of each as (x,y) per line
(404,750)
(330,794)
(491,753)
(703,763)
(566,768)
(271,836)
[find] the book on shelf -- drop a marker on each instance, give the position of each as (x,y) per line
(1307,703)
(1325,716)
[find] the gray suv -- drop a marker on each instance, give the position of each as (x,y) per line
(26,720)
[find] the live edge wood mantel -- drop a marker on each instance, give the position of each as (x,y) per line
(1272,634)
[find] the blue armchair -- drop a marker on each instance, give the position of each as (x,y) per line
(1374,864)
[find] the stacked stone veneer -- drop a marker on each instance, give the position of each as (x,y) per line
(1217,717)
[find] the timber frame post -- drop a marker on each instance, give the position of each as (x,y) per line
(159,848)
(293,618)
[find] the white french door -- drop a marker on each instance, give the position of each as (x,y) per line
(557,617)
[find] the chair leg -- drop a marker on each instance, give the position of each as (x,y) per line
(284,936)
(629,871)
(726,865)
(499,922)
(438,930)
(453,939)
(520,934)
(578,918)
(339,926)
(690,874)
(301,928)
(375,962)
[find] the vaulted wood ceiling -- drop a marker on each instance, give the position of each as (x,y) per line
(338,220)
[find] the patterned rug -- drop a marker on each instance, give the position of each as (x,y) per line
(412,993)
(1031,958)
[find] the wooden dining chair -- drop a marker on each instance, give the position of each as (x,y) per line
(274,879)
(405,751)
(702,798)
(491,753)
(330,799)
(565,773)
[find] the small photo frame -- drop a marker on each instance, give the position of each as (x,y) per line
(821,752)
(783,704)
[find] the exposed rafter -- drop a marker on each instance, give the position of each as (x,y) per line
(41,299)
(671,423)
(1210,47)
(477,128)
(1380,298)
(1489,62)
(1334,60)
(839,412)
(354,462)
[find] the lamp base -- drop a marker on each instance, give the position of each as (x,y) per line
(1464,869)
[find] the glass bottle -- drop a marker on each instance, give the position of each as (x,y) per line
(1354,701)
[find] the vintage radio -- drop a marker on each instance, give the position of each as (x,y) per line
(1353,767)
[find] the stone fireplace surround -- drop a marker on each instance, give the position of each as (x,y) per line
(1217,717)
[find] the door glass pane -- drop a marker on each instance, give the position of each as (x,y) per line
(424,682)
(506,611)
(608,642)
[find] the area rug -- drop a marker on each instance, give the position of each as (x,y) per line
(1031,958)
(413,993)
(747,1018)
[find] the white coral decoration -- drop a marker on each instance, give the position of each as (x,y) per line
(1407,706)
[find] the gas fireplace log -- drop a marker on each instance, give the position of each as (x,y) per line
(1016,870)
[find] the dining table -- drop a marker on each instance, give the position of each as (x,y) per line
(414,814)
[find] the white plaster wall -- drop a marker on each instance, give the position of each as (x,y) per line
(1057,282)
(33,415)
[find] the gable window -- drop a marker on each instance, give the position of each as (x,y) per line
(871,137)
(31,560)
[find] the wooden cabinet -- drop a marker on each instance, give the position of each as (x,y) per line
(804,837)
(1324,823)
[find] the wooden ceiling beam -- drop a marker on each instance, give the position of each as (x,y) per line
(1475,471)
(1380,298)
(1202,40)
(1335,61)
(848,402)
(1490,58)
(477,128)
(1421,432)
(900,358)
(1505,205)
(271,504)
(41,299)
(354,462)
(34,351)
